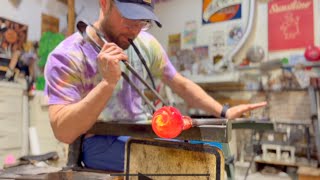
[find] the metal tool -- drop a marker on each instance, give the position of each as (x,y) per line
(143,129)
(82,28)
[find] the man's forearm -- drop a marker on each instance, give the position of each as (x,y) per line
(70,121)
(194,95)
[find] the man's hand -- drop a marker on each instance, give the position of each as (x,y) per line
(237,111)
(108,62)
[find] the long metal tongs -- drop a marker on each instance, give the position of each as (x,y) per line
(82,27)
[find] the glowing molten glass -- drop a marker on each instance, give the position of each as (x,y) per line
(167,122)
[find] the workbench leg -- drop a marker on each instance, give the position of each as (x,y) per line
(229,161)
(230,171)
(315,119)
(74,154)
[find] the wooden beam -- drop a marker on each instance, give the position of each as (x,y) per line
(71,16)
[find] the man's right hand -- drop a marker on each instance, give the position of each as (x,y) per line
(108,62)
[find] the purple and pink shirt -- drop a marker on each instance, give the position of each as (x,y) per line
(71,73)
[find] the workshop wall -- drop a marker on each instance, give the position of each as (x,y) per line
(190,10)
(29,13)
(284,106)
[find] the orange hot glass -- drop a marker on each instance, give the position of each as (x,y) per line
(167,122)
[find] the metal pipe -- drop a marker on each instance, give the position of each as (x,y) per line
(81,25)
(130,68)
(125,76)
(235,50)
(214,121)
(143,62)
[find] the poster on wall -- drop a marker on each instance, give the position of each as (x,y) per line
(235,33)
(12,36)
(202,52)
(220,10)
(290,24)
(218,46)
(190,34)
(204,64)
(174,44)
(185,61)
(49,23)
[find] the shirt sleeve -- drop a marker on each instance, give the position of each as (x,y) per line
(63,82)
(161,66)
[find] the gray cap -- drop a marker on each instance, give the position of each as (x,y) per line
(138,9)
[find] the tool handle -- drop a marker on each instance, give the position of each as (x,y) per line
(200,122)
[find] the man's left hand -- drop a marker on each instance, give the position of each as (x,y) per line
(237,111)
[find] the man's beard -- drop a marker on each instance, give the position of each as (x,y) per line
(107,28)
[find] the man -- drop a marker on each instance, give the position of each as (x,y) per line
(83,83)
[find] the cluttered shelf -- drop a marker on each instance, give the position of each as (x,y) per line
(273,64)
(240,87)
(257,86)
(258,78)
(288,145)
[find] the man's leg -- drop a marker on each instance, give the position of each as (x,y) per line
(104,152)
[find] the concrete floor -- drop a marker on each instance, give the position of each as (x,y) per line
(241,168)
(259,176)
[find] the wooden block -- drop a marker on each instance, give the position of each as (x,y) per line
(308,173)
(221,86)
(160,159)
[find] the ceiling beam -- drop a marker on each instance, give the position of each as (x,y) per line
(71,16)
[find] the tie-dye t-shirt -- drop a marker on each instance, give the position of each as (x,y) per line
(71,73)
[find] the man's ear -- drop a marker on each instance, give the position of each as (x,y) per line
(103,5)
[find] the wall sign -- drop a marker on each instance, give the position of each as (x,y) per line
(290,24)
(220,10)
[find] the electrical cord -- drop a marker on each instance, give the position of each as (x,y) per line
(253,154)
(143,62)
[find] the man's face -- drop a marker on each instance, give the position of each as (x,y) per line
(119,29)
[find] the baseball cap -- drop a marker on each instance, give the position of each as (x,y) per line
(138,9)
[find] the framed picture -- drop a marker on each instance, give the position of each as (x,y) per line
(174,44)
(12,36)
(49,23)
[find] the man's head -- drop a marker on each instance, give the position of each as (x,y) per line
(124,19)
